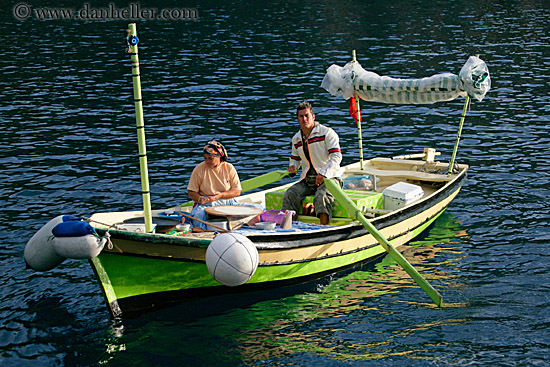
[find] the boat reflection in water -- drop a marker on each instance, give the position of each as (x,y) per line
(305,322)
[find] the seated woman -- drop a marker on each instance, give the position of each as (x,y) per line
(213,182)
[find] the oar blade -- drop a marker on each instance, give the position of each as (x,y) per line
(414,274)
(350,206)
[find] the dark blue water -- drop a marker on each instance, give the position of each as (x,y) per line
(235,74)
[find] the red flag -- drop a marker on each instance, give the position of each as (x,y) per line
(353,110)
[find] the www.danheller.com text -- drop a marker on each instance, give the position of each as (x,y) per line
(134,11)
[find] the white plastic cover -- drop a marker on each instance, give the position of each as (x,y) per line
(474,80)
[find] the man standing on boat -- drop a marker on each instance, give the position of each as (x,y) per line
(315,149)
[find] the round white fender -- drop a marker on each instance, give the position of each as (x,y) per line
(83,247)
(232,259)
(39,252)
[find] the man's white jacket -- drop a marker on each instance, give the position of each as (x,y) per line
(324,151)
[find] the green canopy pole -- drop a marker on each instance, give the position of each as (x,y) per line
(462,118)
(140,125)
(358,119)
(350,206)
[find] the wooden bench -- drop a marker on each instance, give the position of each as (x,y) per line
(401,169)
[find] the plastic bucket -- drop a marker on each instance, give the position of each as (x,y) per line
(272,216)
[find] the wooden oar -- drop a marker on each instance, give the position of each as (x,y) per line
(256,182)
(350,206)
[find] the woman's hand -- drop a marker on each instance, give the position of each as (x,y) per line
(200,199)
(216,196)
(205,199)
(209,199)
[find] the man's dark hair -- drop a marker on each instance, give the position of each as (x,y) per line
(303,106)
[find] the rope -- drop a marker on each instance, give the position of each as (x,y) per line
(103,224)
(107,235)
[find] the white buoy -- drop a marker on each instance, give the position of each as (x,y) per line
(231,259)
(39,253)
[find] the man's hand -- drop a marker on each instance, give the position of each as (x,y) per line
(292,171)
(319,180)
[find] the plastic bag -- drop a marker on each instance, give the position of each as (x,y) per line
(358,182)
(345,81)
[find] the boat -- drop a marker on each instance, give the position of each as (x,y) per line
(148,259)
(144,271)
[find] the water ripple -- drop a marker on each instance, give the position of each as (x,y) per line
(236,74)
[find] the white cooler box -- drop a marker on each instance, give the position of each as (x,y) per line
(400,194)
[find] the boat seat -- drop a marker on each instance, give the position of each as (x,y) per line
(402,169)
(410,175)
(363,199)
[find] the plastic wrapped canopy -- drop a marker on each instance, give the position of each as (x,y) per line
(474,80)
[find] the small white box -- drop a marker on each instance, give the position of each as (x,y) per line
(135,227)
(400,194)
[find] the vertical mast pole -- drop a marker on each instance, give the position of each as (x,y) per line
(358,119)
(140,126)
